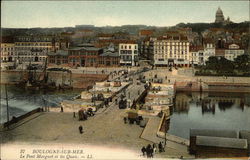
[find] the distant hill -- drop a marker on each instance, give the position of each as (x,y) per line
(131,29)
(200,27)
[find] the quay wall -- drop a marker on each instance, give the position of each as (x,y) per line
(167,76)
(76,80)
(212,87)
(189,82)
(17,119)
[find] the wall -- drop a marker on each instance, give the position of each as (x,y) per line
(78,80)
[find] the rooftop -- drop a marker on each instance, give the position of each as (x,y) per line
(84,48)
(221,142)
(145,32)
(173,37)
(110,53)
(213,133)
(59,53)
(196,48)
(219,52)
(40,38)
(7,39)
(105,35)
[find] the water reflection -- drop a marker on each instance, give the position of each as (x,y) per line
(209,111)
(208,101)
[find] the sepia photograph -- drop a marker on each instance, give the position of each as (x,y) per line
(125,79)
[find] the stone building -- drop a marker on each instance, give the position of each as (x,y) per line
(8,52)
(196,55)
(59,57)
(170,50)
(109,59)
(34,49)
(128,52)
(144,48)
(219,17)
(232,51)
(84,56)
(209,50)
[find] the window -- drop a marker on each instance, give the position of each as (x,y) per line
(128,58)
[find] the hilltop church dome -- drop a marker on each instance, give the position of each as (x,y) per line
(219,17)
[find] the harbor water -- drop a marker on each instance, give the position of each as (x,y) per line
(209,111)
(22,101)
(191,109)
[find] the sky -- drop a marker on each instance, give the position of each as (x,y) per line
(28,14)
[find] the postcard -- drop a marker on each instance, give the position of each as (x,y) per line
(125,80)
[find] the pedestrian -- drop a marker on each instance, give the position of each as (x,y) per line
(125,120)
(163,147)
(80,129)
(74,114)
(134,104)
(160,147)
(148,150)
(107,103)
(143,150)
(154,148)
(61,109)
(151,152)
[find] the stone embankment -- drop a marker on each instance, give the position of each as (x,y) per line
(76,80)
(185,80)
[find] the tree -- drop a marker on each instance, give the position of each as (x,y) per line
(242,62)
(212,63)
(219,64)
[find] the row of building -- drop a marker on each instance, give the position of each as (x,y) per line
(176,50)
(30,49)
(171,49)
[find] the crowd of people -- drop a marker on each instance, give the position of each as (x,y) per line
(150,150)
